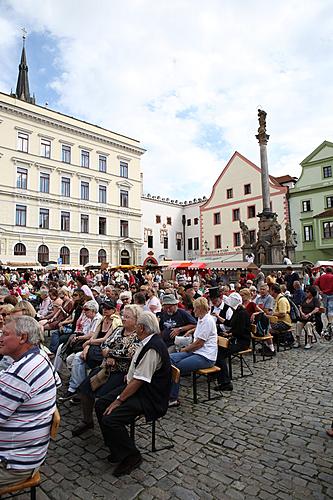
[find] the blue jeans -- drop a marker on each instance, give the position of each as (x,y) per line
(186,362)
(78,373)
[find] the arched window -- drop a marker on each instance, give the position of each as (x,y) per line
(43,255)
(19,249)
(65,255)
(101,256)
(124,258)
(84,256)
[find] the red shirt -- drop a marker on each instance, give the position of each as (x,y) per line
(251,308)
(325,283)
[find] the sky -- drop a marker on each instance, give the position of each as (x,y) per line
(184,77)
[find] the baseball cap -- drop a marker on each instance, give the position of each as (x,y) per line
(109,304)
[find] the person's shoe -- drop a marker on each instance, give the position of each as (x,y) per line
(128,464)
(307,346)
(81,428)
(173,403)
(68,395)
(296,345)
(224,387)
(269,352)
(75,400)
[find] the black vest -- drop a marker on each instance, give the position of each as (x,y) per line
(222,314)
(155,396)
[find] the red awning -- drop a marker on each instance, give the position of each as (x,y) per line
(197,265)
(179,264)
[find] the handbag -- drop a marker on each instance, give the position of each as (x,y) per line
(94,356)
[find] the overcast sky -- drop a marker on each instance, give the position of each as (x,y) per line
(185,77)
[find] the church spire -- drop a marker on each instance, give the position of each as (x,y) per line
(22,87)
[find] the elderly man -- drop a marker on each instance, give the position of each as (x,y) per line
(28,397)
(174,321)
(146,392)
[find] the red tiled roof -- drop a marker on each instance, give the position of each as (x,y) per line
(326,213)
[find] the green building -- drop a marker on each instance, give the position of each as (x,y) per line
(311,206)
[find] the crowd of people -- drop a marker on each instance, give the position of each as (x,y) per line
(118,333)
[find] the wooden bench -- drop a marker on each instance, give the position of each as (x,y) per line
(175,376)
(240,355)
(28,484)
(210,374)
(34,481)
(260,340)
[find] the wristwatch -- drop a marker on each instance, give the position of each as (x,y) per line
(119,399)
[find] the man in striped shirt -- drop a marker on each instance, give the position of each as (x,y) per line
(27,401)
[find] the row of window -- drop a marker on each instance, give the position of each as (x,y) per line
(43,254)
(327,231)
(193,244)
(236,239)
(44,187)
(195,221)
(306,204)
(159,220)
(65,221)
(251,213)
(66,154)
(230,191)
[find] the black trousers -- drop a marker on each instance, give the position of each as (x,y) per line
(222,360)
(113,426)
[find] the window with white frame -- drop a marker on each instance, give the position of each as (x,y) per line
(84,158)
(102,194)
(21,215)
(84,190)
(65,153)
(65,187)
(44,183)
(123,198)
(22,178)
(44,218)
(84,223)
(22,142)
(124,169)
(45,148)
(102,163)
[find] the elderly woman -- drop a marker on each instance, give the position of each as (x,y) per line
(239,341)
(117,351)
(202,352)
(309,308)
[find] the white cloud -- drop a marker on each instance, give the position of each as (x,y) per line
(138,66)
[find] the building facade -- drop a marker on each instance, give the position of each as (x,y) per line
(166,225)
(236,196)
(70,191)
(311,206)
(208,229)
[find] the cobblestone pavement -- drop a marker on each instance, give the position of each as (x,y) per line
(264,440)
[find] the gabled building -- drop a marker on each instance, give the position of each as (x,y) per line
(236,196)
(70,191)
(311,205)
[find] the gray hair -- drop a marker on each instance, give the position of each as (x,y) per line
(28,325)
(92,305)
(134,309)
(149,322)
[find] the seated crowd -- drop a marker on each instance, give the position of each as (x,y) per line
(118,337)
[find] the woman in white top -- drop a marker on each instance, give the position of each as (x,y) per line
(202,352)
(153,303)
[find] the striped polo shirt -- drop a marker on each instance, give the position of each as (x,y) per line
(27,402)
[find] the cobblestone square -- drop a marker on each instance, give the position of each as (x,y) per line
(264,440)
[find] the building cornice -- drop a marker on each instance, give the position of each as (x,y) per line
(71,129)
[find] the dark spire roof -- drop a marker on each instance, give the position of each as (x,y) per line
(22,87)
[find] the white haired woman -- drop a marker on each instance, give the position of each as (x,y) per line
(117,351)
(202,352)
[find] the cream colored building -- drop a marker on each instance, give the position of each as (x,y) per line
(70,191)
(235,197)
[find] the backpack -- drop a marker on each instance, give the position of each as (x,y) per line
(262,324)
(294,312)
